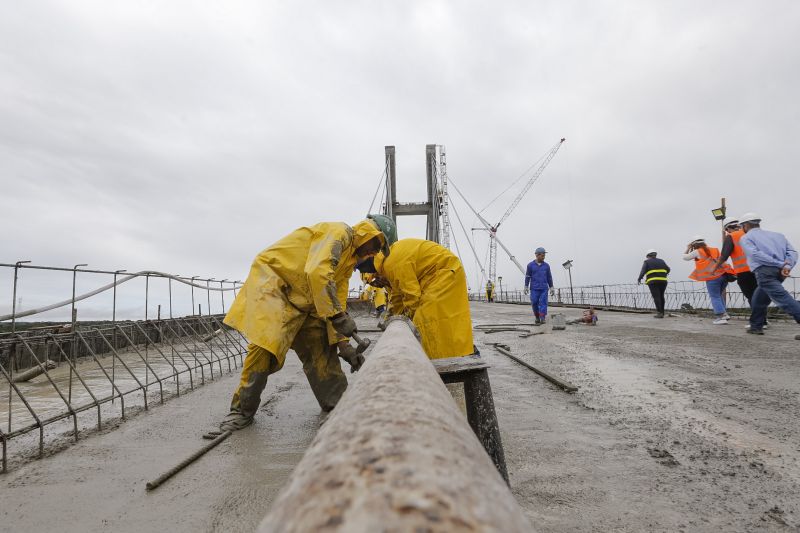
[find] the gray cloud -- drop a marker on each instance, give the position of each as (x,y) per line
(186,137)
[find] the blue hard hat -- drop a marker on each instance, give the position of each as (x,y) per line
(540,250)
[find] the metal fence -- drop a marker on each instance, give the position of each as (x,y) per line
(680,295)
(59,378)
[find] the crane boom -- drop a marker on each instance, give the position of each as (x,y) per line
(531,181)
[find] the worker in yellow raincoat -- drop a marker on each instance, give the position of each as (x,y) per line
(379,300)
(295,297)
(375,295)
(428,285)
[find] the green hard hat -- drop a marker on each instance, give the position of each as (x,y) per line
(388,227)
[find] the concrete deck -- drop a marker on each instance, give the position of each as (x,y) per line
(678,425)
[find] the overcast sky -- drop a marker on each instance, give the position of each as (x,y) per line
(186,136)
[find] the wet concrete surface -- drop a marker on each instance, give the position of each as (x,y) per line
(98,484)
(678,425)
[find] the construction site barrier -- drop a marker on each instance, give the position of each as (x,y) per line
(680,296)
(396,454)
(95,373)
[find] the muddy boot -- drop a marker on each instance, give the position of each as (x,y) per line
(537,321)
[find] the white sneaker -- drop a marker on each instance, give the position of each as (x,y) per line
(720,321)
(726,316)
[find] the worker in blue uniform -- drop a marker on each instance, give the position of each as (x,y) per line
(539,281)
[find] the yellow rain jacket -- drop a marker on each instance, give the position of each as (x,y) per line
(429,286)
(380,297)
(305,273)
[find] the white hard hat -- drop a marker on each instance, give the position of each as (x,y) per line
(697,238)
(730,221)
(750,217)
(651,251)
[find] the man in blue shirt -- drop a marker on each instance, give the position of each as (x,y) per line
(771,258)
(539,280)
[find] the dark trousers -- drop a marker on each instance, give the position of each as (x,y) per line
(657,289)
(770,289)
(747,283)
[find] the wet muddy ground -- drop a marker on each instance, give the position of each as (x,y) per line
(677,425)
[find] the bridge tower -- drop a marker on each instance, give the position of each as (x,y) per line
(435,209)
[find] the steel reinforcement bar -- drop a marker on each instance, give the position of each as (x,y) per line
(93,366)
(396,455)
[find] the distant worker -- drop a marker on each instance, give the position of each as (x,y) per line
(295,297)
(731,248)
(379,300)
(376,295)
(655,271)
(489,291)
(771,258)
(539,280)
(715,277)
(427,284)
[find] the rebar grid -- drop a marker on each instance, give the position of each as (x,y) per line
(149,354)
(61,373)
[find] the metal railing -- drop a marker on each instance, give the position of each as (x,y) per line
(680,295)
(59,379)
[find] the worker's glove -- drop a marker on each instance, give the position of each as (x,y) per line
(638,282)
(526,291)
(344,324)
(552,292)
(349,354)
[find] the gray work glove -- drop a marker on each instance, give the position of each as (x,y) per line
(344,324)
(348,353)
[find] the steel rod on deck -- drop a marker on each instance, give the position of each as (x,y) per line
(565,386)
(186,462)
(396,454)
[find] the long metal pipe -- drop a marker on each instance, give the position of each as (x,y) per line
(396,454)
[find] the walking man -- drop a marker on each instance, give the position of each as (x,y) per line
(732,248)
(771,258)
(655,271)
(489,291)
(539,281)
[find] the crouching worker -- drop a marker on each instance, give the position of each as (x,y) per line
(428,285)
(294,297)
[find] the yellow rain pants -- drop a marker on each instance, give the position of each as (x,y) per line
(320,364)
(429,286)
(293,286)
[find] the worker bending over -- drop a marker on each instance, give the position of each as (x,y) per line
(294,297)
(539,280)
(428,285)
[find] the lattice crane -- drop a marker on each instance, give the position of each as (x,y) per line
(492,229)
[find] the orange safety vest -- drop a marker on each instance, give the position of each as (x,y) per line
(738,257)
(704,266)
